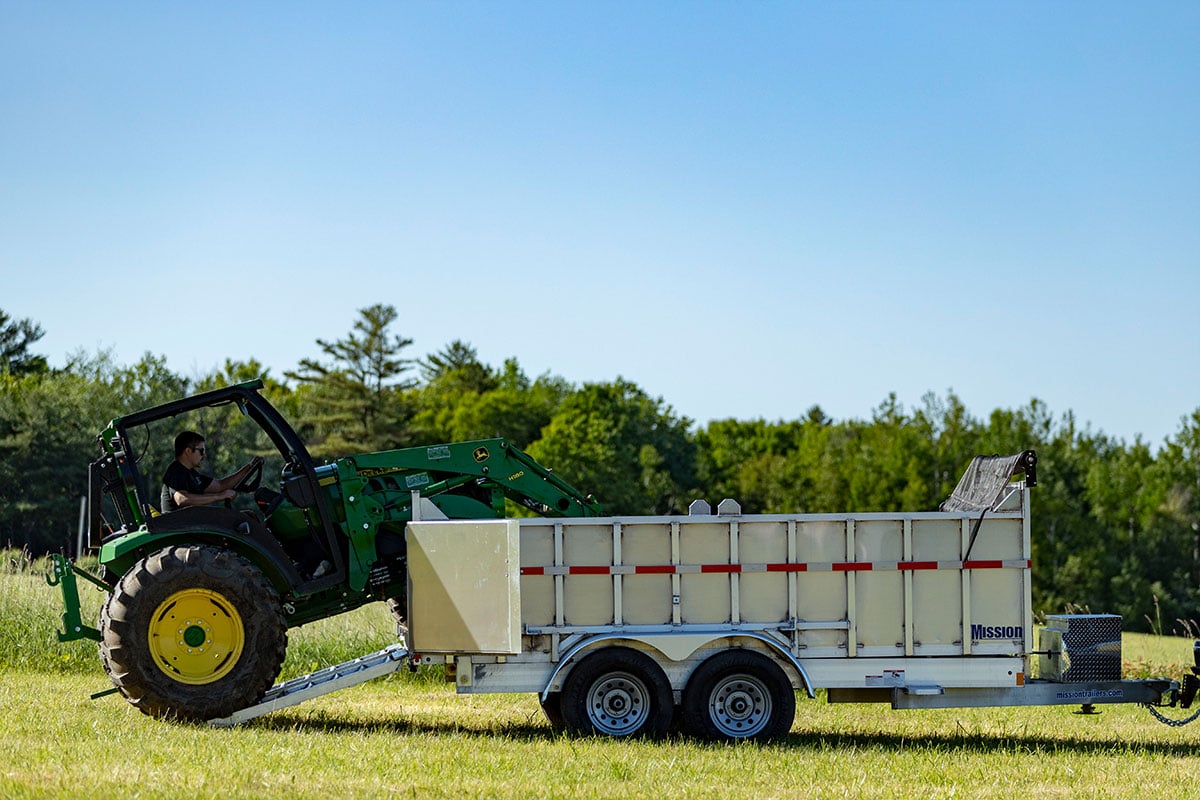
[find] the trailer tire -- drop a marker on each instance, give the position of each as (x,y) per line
(617,692)
(739,695)
(193,633)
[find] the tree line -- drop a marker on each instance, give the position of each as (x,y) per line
(1116,525)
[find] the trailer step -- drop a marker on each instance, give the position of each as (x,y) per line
(320,683)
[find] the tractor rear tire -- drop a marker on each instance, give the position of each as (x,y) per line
(193,633)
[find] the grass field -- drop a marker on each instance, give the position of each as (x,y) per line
(411,736)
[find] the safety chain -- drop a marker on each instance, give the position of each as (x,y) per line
(1174,723)
(1185,694)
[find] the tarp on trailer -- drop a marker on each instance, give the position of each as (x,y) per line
(982,486)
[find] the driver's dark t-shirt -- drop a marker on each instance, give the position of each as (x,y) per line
(180,478)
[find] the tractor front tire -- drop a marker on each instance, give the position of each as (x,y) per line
(193,633)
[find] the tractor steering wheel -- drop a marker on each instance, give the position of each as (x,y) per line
(251,479)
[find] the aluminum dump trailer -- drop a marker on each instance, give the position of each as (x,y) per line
(626,624)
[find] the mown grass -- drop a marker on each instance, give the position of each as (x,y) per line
(416,738)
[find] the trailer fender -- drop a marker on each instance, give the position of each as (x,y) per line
(678,648)
(776,647)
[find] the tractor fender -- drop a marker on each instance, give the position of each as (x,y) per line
(231,530)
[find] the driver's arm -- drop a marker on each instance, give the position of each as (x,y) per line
(211,494)
(233,479)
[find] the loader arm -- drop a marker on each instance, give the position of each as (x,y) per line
(493,469)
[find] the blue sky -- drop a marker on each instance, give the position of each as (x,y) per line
(746,208)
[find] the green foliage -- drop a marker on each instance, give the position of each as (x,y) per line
(46,432)
(16,337)
(458,365)
(472,401)
(355,403)
(120,389)
(630,450)
(48,425)
(1151,509)
(759,464)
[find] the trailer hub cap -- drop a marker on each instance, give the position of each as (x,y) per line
(618,704)
(196,636)
(740,706)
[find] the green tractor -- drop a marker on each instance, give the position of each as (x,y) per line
(200,599)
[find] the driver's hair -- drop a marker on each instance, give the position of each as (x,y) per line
(185,440)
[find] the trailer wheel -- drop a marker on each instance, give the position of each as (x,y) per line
(193,633)
(617,692)
(737,695)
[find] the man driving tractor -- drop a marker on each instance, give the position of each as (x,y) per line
(183,485)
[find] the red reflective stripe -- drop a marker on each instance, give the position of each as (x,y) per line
(590,571)
(837,566)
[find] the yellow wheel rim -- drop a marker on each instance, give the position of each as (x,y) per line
(196,636)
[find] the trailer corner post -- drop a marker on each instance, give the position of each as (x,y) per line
(851,595)
(617,583)
(793,588)
(676,578)
(735,585)
(1027,545)
(966,587)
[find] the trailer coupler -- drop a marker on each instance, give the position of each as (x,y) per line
(1185,695)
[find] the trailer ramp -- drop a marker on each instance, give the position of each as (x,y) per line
(320,683)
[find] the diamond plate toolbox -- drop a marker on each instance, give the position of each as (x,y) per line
(1080,648)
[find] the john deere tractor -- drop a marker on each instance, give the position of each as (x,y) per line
(200,599)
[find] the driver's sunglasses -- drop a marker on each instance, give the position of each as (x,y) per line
(200,450)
